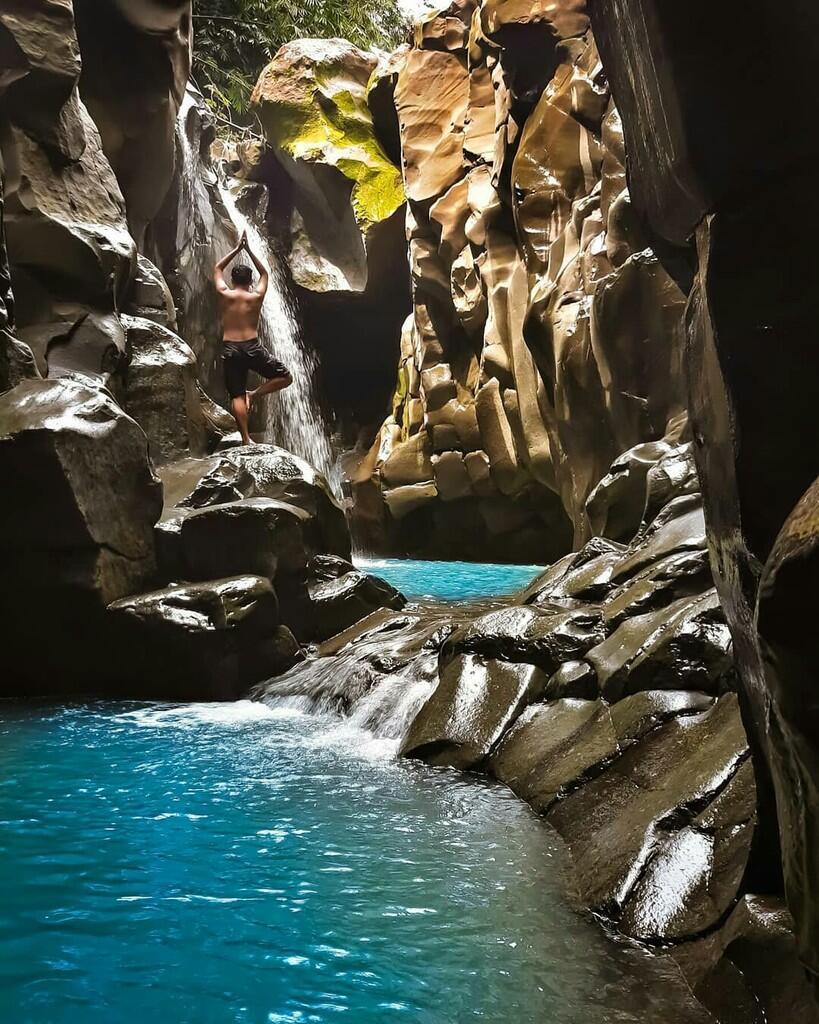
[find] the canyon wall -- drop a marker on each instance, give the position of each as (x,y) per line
(197,580)
(545,339)
(712,157)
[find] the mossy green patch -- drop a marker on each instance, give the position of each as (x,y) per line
(333,125)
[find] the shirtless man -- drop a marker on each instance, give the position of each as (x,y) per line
(242,351)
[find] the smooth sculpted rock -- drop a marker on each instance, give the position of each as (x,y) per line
(80,496)
(655,846)
(255,536)
(80,500)
(522,634)
(431,97)
(476,700)
(161,390)
(205,641)
(312,102)
(341,595)
(269,472)
(554,748)
(684,644)
(748,970)
(136,57)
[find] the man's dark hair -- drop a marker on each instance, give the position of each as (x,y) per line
(242,276)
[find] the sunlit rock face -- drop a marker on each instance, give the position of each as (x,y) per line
(545,337)
(337,199)
(703,168)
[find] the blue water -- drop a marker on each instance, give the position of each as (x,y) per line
(237,863)
(451,581)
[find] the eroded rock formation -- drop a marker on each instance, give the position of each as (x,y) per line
(337,200)
(546,338)
(702,167)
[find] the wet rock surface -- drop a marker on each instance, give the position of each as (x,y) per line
(204,641)
(754,425)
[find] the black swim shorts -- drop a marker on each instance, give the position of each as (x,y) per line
(242,356)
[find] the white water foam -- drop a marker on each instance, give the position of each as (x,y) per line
(192,716)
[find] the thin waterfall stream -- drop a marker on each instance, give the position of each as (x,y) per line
(293,417)
(209,222)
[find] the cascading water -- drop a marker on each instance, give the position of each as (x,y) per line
(209,223)
(294,418)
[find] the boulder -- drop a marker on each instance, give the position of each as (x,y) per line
(523,634)
(79,489)
(254,536)
(686,643)
(312,102)
(205,641)
(476,700)
(340,595)
(161,391)
(80,502)
(265,471)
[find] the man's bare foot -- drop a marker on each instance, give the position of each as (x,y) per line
(248,442)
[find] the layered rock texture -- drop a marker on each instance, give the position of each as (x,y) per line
(701,168)
(545,338)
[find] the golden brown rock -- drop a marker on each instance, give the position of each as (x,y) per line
(431,98)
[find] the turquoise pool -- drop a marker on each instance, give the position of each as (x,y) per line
(451,581)
(236,863)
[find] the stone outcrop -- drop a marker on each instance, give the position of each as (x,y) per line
(605,696)
(545,338)
(77,185)
(337,200)
(701,168)
(80,500)
(136,60)
(204,641)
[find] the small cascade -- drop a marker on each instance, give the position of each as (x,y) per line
(376,686)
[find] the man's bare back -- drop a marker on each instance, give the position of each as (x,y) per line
(241,307)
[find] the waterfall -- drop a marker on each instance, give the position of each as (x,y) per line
(293,419)
(208,225)
(376,685)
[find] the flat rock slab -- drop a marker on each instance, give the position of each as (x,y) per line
(476,700)
(635,828)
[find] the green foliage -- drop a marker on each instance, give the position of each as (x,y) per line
(235,39)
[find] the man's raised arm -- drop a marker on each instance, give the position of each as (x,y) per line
(264,277)
(218,270)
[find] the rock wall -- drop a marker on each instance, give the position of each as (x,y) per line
(110,587)
(703,166)
(86,300)
(545,338)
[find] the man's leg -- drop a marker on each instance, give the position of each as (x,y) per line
(269,386)
(239,408)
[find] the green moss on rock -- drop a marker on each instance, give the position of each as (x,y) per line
(312,102)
